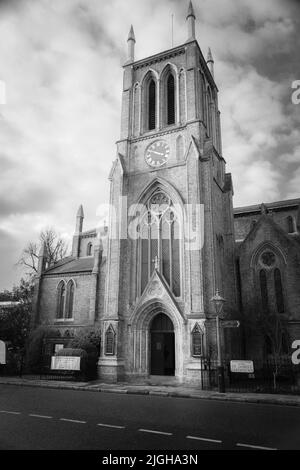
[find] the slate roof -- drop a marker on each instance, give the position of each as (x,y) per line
(72,265)
(271,206)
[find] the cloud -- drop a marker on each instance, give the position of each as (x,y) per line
(61,62)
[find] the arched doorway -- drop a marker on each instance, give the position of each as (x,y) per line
(162,346)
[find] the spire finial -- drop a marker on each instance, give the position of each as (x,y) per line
(131,43)
(191,22)
(80,211)
(210,61)
(131,36)
(43,250)
(191,11)
(79,219)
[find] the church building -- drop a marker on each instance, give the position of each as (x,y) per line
(174,240)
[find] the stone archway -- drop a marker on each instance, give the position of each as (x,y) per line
(141,338)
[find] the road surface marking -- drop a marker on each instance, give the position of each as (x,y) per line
(111,426)
(255,447)
(72,420)
(156,432)
(11,412)
(40,416)
(204,439)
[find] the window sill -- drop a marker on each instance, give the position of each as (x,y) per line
(64,320)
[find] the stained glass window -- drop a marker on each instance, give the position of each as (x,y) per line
(61,293)
(171,99)
(264,290)
(197,341)
(152,106)
(160,242)
(110,341)
(278,291)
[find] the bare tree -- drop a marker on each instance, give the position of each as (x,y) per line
(273,327)
(56,249)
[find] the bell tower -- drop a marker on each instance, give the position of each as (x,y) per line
(171,240)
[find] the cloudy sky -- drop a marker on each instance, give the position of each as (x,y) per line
(61,63)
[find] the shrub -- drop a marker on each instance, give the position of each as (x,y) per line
(89,341)
(35,347)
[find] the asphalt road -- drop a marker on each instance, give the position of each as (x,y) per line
(37,418)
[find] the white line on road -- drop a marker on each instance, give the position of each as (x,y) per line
(156,432)
(255,447)
(40,416)
(72,420)
(110,426)
(204,439)
(11,412)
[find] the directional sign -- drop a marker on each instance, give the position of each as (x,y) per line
(230,324)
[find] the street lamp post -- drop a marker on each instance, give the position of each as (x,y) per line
(218,302)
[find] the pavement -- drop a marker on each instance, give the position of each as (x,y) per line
(179,391)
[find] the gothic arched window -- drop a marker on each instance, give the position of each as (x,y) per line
(89,249)
(197,341)
(70,299)
(170,100)
(160,242)
(264,290)
(278,291)
(110,341)
(61,295)
(290,224)
(151,105)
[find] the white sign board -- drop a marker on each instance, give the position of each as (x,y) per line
(243,367)
(65,362)
(57,347)
(2,352)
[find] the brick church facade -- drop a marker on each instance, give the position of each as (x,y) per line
(173,240)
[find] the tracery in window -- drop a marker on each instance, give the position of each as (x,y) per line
(160,242)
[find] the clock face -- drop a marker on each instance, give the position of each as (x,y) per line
(157,154)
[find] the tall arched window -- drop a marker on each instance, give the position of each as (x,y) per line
(264,290)
(160,242)
(110,342)
(89,249)
(151,105)
(70,299)
(170,100)
(197,341)
(61,295)
(290,224)
(278,291)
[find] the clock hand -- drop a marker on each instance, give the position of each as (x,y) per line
(157,153)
